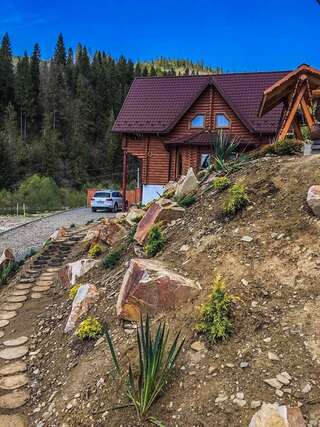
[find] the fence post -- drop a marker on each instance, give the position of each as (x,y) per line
(17,209)
(24,209)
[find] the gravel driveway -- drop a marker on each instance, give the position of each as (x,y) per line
(33,235)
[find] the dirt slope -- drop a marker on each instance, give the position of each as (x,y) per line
(276,275)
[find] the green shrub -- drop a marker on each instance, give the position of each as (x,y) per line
(112,259)
(7,271)
(286,147)
(155,241)
(89,328)
(186,201)
(73,291)
(237,199)
(156,364)
(40,192)
(95,251)
(221,183)
(132,232)
(215,320)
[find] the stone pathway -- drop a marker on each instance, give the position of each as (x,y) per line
(34,283)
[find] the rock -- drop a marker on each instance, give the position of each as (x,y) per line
(108,233)
(19,292)
(187,184)
(13,368)
(279,393)
(255,404)
(240,402)
(86,296)
(134,215)
(14,400)
(198,346)
(6,315)
(17,298)
(283,379)
(12,307)
(273,382)
(36,295)
(4,323)
(13,382)
(13,421)
(11,353)
(40,288)
(211,370)
(6,257)
(273,356)
(15,342)
(149,287)
(58,234)
(267,340)
(71,272)
(277,416)
(184,248)
(221,398)
(162,210)
(240,395)
(99,341)
(244,365)
(313,199)
(23,286)
(307,388)
(246,239)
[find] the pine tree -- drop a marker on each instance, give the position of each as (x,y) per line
(59,56)
(35,110)
(6,75)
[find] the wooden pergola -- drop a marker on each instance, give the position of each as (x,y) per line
(297,92)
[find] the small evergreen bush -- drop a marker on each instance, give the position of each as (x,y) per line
(221,183)
(186,201)
(73,291)
(215,320)
(287,147)
(95,251)
(237,199)
(155,241)
(132,232)
(89,328)
(7,271)
(112,259)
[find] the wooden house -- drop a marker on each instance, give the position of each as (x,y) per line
(170,123)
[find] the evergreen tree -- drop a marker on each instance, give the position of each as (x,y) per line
(60,57)
(6,75)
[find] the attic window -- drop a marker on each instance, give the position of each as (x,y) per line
(198,121)
(222,121)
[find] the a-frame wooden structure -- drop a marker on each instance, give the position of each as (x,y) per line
(296,92)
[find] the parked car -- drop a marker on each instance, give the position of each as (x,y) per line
(107,199)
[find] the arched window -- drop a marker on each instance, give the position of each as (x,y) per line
(221,121)
(198,121)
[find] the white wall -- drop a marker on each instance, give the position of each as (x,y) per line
(150,192)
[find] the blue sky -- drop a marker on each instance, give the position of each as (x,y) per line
(245,35)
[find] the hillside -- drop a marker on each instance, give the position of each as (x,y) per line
(163,66)
(268,256)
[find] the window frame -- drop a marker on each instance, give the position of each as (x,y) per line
(226,116)
(198,127)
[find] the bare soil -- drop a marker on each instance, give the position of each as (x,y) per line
(276,276)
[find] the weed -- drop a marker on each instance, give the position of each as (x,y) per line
(73,291)
(185,201)
(7,271)
(72,225)
(156,363)
(89,328)
(215,320)
(155,241)
(112,259)
(221,183)
(95,251)
(237,199)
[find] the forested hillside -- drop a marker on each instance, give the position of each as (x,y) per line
(56,115)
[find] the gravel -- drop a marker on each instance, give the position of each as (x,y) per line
(33,235)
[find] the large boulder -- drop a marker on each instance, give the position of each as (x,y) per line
(277,416)
(187,185)
(107,233)
(163,210)
(134,215)
(313,199)
(6,257)
(71,272)
(58,234)
(149,287)
(85,297)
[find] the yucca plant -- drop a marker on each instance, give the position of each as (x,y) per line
(156,363)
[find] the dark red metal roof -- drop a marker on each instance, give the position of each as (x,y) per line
(155,104)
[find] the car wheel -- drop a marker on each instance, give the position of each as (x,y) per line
(93,209)
(115,208)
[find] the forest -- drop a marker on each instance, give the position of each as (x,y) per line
(56,114)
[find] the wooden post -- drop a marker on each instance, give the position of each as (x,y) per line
(306,112)
(288,122)
(124,178)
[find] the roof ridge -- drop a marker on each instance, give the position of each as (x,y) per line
(232,73)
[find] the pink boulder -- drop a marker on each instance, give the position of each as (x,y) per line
(58,234)
(313,199)
(85,297)
(149,287)
(108,233)
(6,257)
(71,272)
(274,415)
(162,210)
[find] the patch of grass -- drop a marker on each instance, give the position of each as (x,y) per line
(95,251)
(237,199)
(112,259)
(73,291)
(7,271)
(155,241)
(221,183)
(156,364)
(89,328)
(186,201)
(215,320)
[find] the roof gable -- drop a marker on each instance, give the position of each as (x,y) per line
(156,104)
